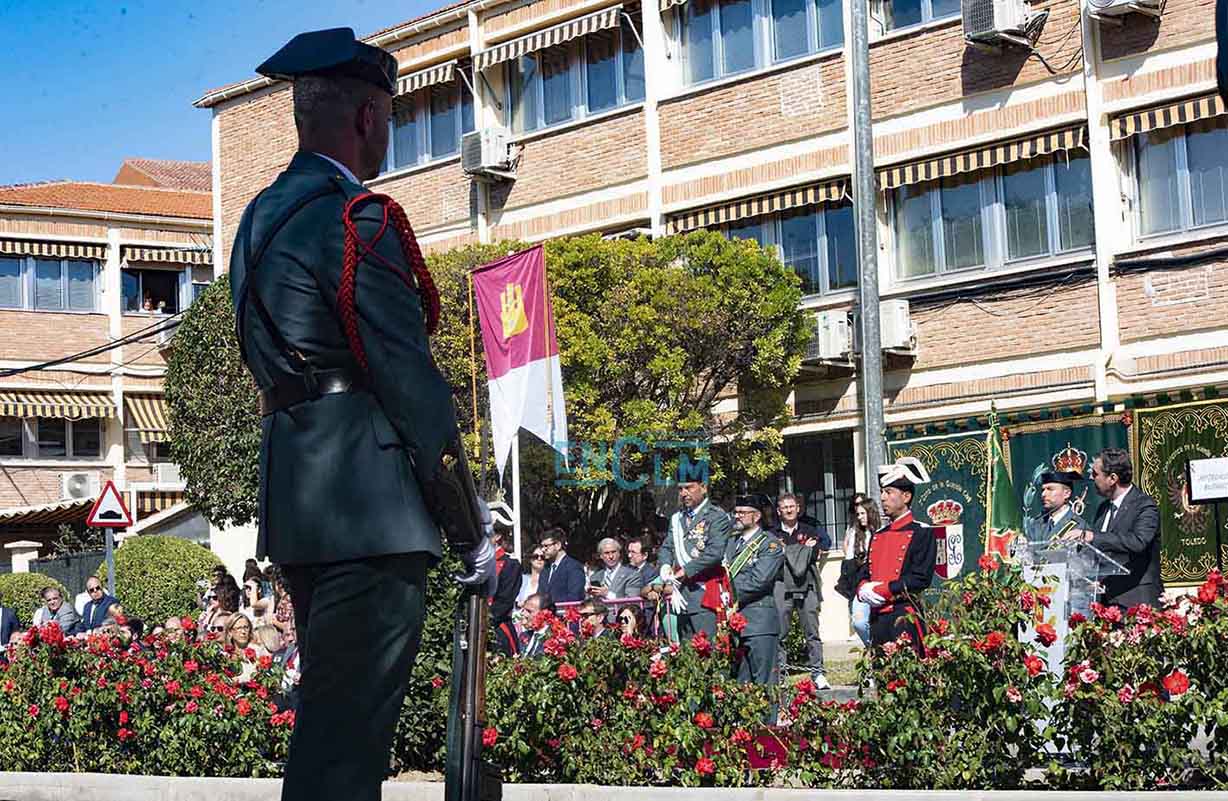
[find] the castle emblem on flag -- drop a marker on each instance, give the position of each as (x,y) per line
(512,311)
(945,517)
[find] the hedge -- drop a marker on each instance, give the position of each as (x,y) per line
(155,576)
(23,593)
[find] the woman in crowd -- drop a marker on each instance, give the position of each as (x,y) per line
(528,582)
(631,621)
(864,520)
(268,642)
(283,610)
(238,632)
(258,608)
(224,604)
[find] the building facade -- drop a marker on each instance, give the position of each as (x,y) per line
(1051,219)
(93,278)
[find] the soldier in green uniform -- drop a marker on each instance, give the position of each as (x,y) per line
(690,559)
(753,560)
(1058,517)
(356,416)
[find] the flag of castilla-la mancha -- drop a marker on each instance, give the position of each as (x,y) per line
(522,352)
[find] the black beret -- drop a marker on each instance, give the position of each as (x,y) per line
(752,501)
(332,52)
(1066,478)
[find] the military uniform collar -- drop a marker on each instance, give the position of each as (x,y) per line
(695,512)
(748,535)
(1060,514)
(900,523)
(345,171)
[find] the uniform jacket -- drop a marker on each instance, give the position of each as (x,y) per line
(901,555)
(507,587)
(336,480)
(1133,539)
(8,624)
(754,584)
(624,581)
(795,546)
(705,536)
(95,613)
(563,580)
(1040,529)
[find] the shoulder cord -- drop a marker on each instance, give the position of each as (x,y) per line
(424,286)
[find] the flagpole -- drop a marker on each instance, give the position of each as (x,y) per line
(516,493)
(473,375)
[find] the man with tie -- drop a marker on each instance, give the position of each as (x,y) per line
(691,557)
(95,612)
(1058,517)
(563,577)
(1127,529)
(615,579)
(798,587)
(637,558)
(753,561)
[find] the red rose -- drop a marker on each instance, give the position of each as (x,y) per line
(191,707)
(1177,683)
(630,641)
(1044,600)
(1034,664)
(658,669)
(172,687)
(988,562)
(703,720)
(265,662)
(1077,618)
(705,767)
(123,717)
(490,736)
(190,666)
(555,647)
(701,644)
(1046,635)
(637,742)
(737,622)
(61,704)
(572,615)
(249,654)
(33,710)
(1208,592)
(629,692)
(197,691)
(1027,601)
(437,682)
(188,623)
(243,707)
(994,640)
(567,672)
(125,735)
(52,634)
(741,737)
(966,598)
(942,626)
(896,684)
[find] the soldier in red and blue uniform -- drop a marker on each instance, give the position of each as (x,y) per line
(900,563)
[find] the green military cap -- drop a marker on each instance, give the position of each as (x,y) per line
(332,52)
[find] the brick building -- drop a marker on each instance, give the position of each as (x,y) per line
(84,266)
(1053,222)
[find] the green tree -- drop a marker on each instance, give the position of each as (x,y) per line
(155,576)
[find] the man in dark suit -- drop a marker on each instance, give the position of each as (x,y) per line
(1127,529)
(96,607)
(563,577)
(637,557)
(507,587)
(8,624)
(798,585)
(753,560)
(356,416)
(691,558)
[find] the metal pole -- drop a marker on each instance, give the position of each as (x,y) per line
(865,205)
(110,546)
(516,516)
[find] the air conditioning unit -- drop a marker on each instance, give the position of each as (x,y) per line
(832,340)
(167,473)
(1101,9)
(895,326)
(994,22)
(487,153)
(79,486)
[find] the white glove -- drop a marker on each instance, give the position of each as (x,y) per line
(867,594)
(480,562)
(666,573)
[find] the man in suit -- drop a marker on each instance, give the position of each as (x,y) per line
(54,610)
(614,579)
(563,577)
(1127,529)
(507,587)
(798,587)
(753,561)
(691,559)
(637,558)
(593,616)
(357,418)
(1058,517)
(8,624)
(95,612)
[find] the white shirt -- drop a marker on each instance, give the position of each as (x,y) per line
(1104,524)
(344,169)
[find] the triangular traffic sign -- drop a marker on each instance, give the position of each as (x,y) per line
(109,510)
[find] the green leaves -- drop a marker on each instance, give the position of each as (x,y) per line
(155,576)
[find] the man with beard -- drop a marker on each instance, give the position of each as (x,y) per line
(753,561)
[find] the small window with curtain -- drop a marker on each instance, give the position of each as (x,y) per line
(56,438)
(1182,174)
(58,284)
(150,291)
(11,294)
(428,124)
(819,243)
(896,14)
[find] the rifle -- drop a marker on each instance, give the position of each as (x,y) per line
(467,777)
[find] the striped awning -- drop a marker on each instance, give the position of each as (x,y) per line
(150,502)
(1153,119)
(440,73)
(172,255)
(983,157)
(48,514)
(666,5)
(55,250)
(573,29)
(794,198)
(147,417)
(63,405)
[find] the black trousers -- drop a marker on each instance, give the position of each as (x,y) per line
(886,627)
(758,663)
(358,626)
(691,623)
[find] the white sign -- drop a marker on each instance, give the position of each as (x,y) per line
(1208,480)
(109,510)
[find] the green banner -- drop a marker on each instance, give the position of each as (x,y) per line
(1064,444)
(1165,439)
(955,496)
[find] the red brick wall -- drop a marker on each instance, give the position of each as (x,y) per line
(31,486)
(1166,302)
(579,159)
(1006,324)
(40,336)
(145,349)
(432,196)
(1184,22)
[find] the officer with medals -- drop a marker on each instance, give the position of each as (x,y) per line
(1058,517)
(753,561)
(691,557)
(900,560)
(357,419)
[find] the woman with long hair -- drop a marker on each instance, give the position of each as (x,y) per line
(864,520)
(530,578)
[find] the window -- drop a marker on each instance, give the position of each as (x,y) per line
(903,13)
(1183,177)
(51,438)
(601,71)
(198,288)
(819,244)
(428,124)
(821,469)
(725,37)
(47,284)
(1025,210)
(11,436)
(151,291)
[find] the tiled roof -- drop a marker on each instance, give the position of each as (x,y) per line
(194,176)
(86,196)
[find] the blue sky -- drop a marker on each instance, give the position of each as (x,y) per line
(87,84)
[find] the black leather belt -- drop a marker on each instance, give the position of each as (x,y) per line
(307,386)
